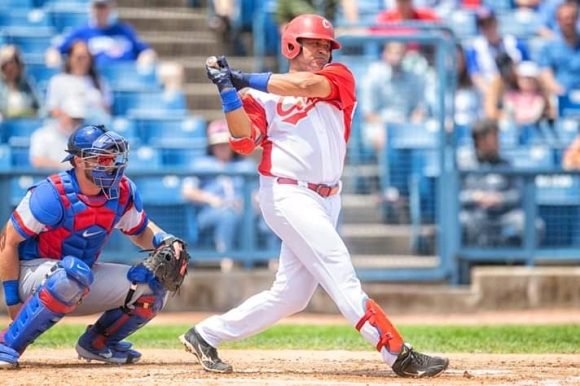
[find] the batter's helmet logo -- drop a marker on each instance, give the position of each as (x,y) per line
(309,27)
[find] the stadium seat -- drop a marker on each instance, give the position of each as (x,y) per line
(413,136)
(16,4)
(32,42)
(160,190)
(128,76)
(558,189)
(144,158)
(462,22)
(530,157)
(65,19)
(126,127)
(5,157)
(181,155)
(18,187)
(40,75)
(145,104)
(569,104)
(24,18)
(520,23)
(170,130)
(20,152)
(23,127)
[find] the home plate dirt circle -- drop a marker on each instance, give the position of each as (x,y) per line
(288,367)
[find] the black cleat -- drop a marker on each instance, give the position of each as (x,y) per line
(413,364)
(205,354)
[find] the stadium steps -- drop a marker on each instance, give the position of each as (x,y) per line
(376,238)
(154,4)
(393,261)
(166,19)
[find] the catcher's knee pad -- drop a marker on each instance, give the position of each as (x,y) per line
(115,325)
(57,296)
(389,337)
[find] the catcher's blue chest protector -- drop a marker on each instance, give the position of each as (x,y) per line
(84,226)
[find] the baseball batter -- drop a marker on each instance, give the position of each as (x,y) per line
(302,121)
(50,246)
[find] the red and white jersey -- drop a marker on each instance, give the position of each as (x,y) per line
(305,138)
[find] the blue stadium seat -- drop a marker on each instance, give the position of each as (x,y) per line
(182,155)
(145,104)
(26,18)
(144,158)
(126,127)
(462,22)
(413,136)
(160,190)
(569,104)
(20,152)
(532,157)
(40,75)
(129,76)
(499,6)
(32,42)
(558,190)
(65,19)
(23,127)
(520,23)
(19,185)
(170,130)
(5,157)
(16,4)
(566,130)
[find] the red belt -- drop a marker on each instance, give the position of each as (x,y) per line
(321,189)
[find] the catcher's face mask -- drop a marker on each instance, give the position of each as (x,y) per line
(105,162)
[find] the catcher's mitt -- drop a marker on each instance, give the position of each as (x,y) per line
(168,262)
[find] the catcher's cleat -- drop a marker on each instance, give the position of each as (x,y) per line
(413,364)
(119,353)
(205,354)
(8,357)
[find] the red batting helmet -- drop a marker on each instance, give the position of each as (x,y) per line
(306,26)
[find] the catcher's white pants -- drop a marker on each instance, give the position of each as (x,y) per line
(312,253)
(108,291)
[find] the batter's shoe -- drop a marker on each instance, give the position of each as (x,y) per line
(119,353)
(205,354)
(413,364)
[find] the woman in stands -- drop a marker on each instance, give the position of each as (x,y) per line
(17,99)
(81,80)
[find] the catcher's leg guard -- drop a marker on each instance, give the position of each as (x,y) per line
(57,296)
(389,337)
(102,341)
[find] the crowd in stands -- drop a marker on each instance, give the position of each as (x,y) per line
(515,79)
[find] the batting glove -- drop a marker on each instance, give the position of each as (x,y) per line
(258,81)
(221,76)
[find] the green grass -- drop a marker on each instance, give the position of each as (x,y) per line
(471,339)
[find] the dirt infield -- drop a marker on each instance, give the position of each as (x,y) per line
(290,367)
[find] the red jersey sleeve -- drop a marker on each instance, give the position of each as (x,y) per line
(341,83)
(257,115)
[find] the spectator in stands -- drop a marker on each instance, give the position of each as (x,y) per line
(548,10)
(571,159)
(560,58)
(482,56)
(17,99)
(491,212)
(48,144)
(521,103)
(220,197)
(390,92)
(80,80)
(289,9)
(467,97)
(406,11)
(109,39)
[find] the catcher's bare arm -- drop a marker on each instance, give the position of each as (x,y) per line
(10,267)
(145,238)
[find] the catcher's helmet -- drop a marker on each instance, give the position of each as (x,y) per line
(306,26)
(106,153)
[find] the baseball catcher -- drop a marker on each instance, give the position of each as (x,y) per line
(50,246)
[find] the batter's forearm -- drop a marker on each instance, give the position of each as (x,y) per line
(300,84)
(239,123)
(9,262)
